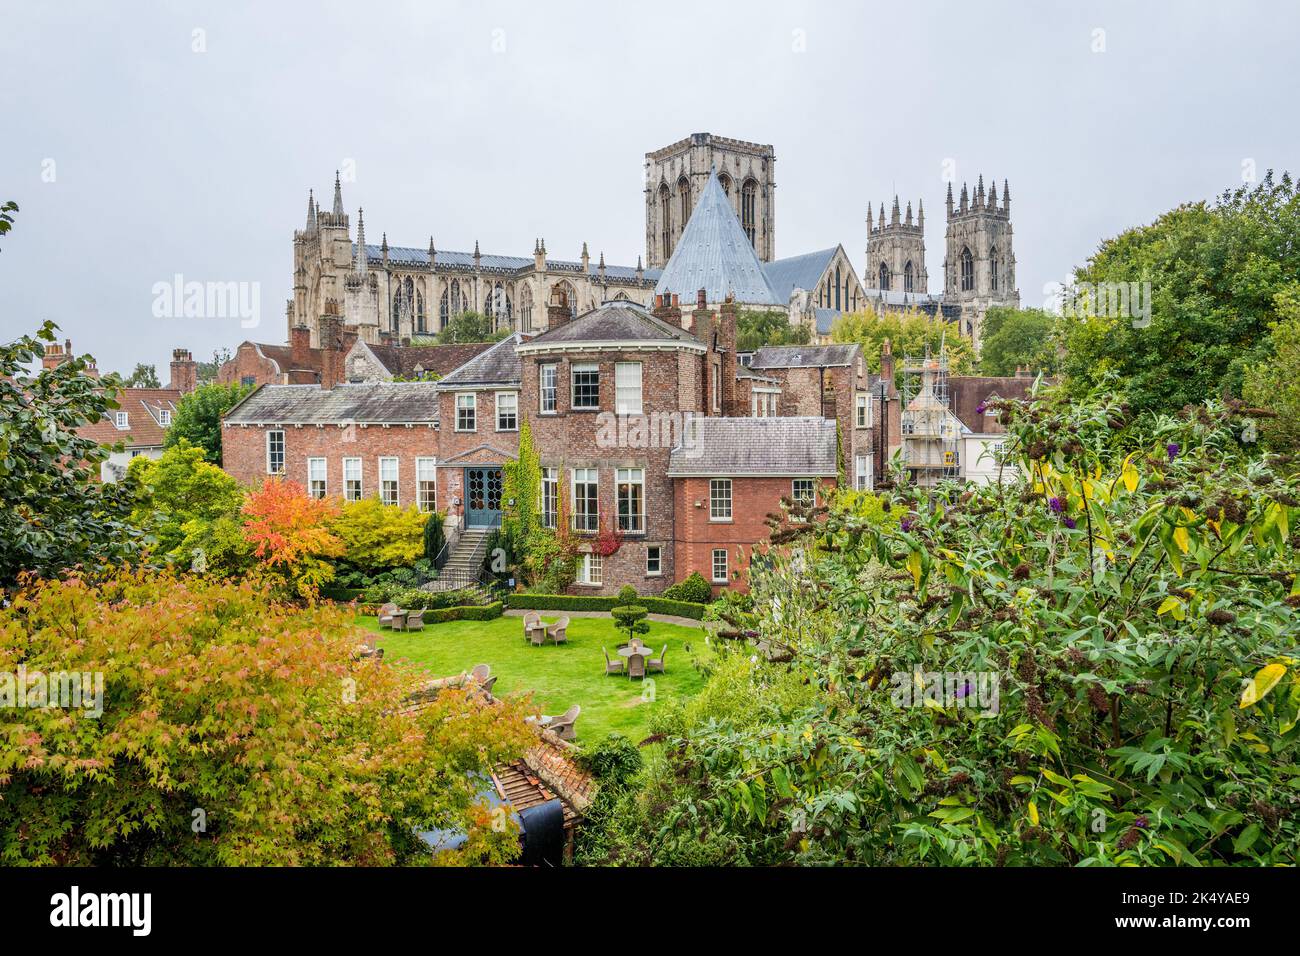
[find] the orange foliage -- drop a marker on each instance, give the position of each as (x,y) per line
(288,530)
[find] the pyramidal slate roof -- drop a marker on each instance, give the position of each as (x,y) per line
(371,402)
(796,447)
(714,254)
(613,322)
(499,365)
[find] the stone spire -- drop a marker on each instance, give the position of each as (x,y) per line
(965,200)
(600,267)
(869,222)
(362,260)
(433,253)
(311,213)
(908,220)
(893,213)
(920,214)
(950,198)
(640,272)
(882,216)
(338,195)
(979,193)
(383,248)
(1006,197)
(477,255)
(586,259)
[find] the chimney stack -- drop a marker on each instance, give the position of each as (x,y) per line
(557,311)
(300,346)
(667,310)
(56,354)
(185,372)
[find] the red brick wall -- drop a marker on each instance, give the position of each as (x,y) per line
(243,451)
(752,500)
(457,450)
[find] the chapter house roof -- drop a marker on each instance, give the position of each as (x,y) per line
(377,403)
(774,447)
(714,254)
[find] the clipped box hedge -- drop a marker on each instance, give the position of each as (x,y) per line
(474,612)
(583,602)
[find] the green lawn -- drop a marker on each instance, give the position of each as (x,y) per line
(557,675)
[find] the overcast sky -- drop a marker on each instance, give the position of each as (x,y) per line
(135,158)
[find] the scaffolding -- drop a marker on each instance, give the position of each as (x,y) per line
(931,432)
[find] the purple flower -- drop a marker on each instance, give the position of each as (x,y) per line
(905,524)
(1069,523)
(1141,823)
(1172,450)
(979,409)
(964,690)
(1055,505)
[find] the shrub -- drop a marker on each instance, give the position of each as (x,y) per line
(435,536)
(377,536)
(476,612)
(694,589)
(289,532)
(627,594)
(582,602)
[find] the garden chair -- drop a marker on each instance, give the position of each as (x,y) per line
(531,620)
(612,667)
(557,631)
(415,620)
(656,664)
(636,666)
(562,726)
(481,672)
(386,612)
(486,687)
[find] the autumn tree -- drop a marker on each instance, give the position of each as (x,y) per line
(289,531)
(910,333)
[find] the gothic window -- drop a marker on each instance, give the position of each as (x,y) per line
(725,182)
(684,197)
(967,269)
(420,325)
(993,269)
(908,278)
(884,277)
(837,289)
(457,302)
(497,306)
(397,303)
(526,307)
(666,218)
(443,314)
(748,209)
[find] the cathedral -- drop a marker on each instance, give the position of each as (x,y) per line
(396,295)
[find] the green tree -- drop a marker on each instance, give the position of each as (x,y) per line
(179,492)
(207,371)
(144,376)
(198,417)
(1274,381)
(1012,339)
(1214,273)
(756,328)
(377,536)
(54,512)
(909,333)
(469,327)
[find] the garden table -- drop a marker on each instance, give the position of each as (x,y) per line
(631,649)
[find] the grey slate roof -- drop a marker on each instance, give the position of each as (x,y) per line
(615,322)
(797,272)
(756,446)
(713,254)
(372,402)
(499,365)
(410,256)
(825,319)
(804,356)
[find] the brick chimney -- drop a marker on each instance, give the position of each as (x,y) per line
(887,368)
(667,309)
(300,346)
(185,372)
(726,330)
(56,354)
(557,311)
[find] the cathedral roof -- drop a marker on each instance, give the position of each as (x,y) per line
(614,322)
(419,258)
(798,272)
(714,254)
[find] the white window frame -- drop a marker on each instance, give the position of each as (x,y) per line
(635,523)
(270,436)
(658,551)
(713,566)
(862,410)
(717,387)
(396,480)
(583,368)
(471,408)
(588,476)
(422,480)
(122,420)
(551,481)
(514,412)
(717,485)
(864,478)
(552,391)
(312,479)
(591,562)
(348,464)
(762,402)
(164,417)
(794,494)
(628,395)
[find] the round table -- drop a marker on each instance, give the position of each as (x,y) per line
(641,649)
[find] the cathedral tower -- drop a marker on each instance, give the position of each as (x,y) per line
(675,177)
(896,251)
(979,266)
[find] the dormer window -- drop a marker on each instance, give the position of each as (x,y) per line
(164,417)
(122,420)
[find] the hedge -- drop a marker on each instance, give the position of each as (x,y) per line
(475,612)
(583,602)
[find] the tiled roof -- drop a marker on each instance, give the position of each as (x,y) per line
(419,258)
(714,254)
(144,428)
(371,403)
(804,356)
(756,446)
(615,322)
(798,272)
(437,360)
(498,365)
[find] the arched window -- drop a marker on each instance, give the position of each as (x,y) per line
(420,318)
(497,307)
(526,308)
(725,182)
(837,289)
(908,277)
(443,312)
(397,303)
(884,277)
(666,220)
(749,210)
(967,269)
(621,297)
(993,268)
(684,197)
(458,302)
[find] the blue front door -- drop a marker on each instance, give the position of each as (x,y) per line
(483,497)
